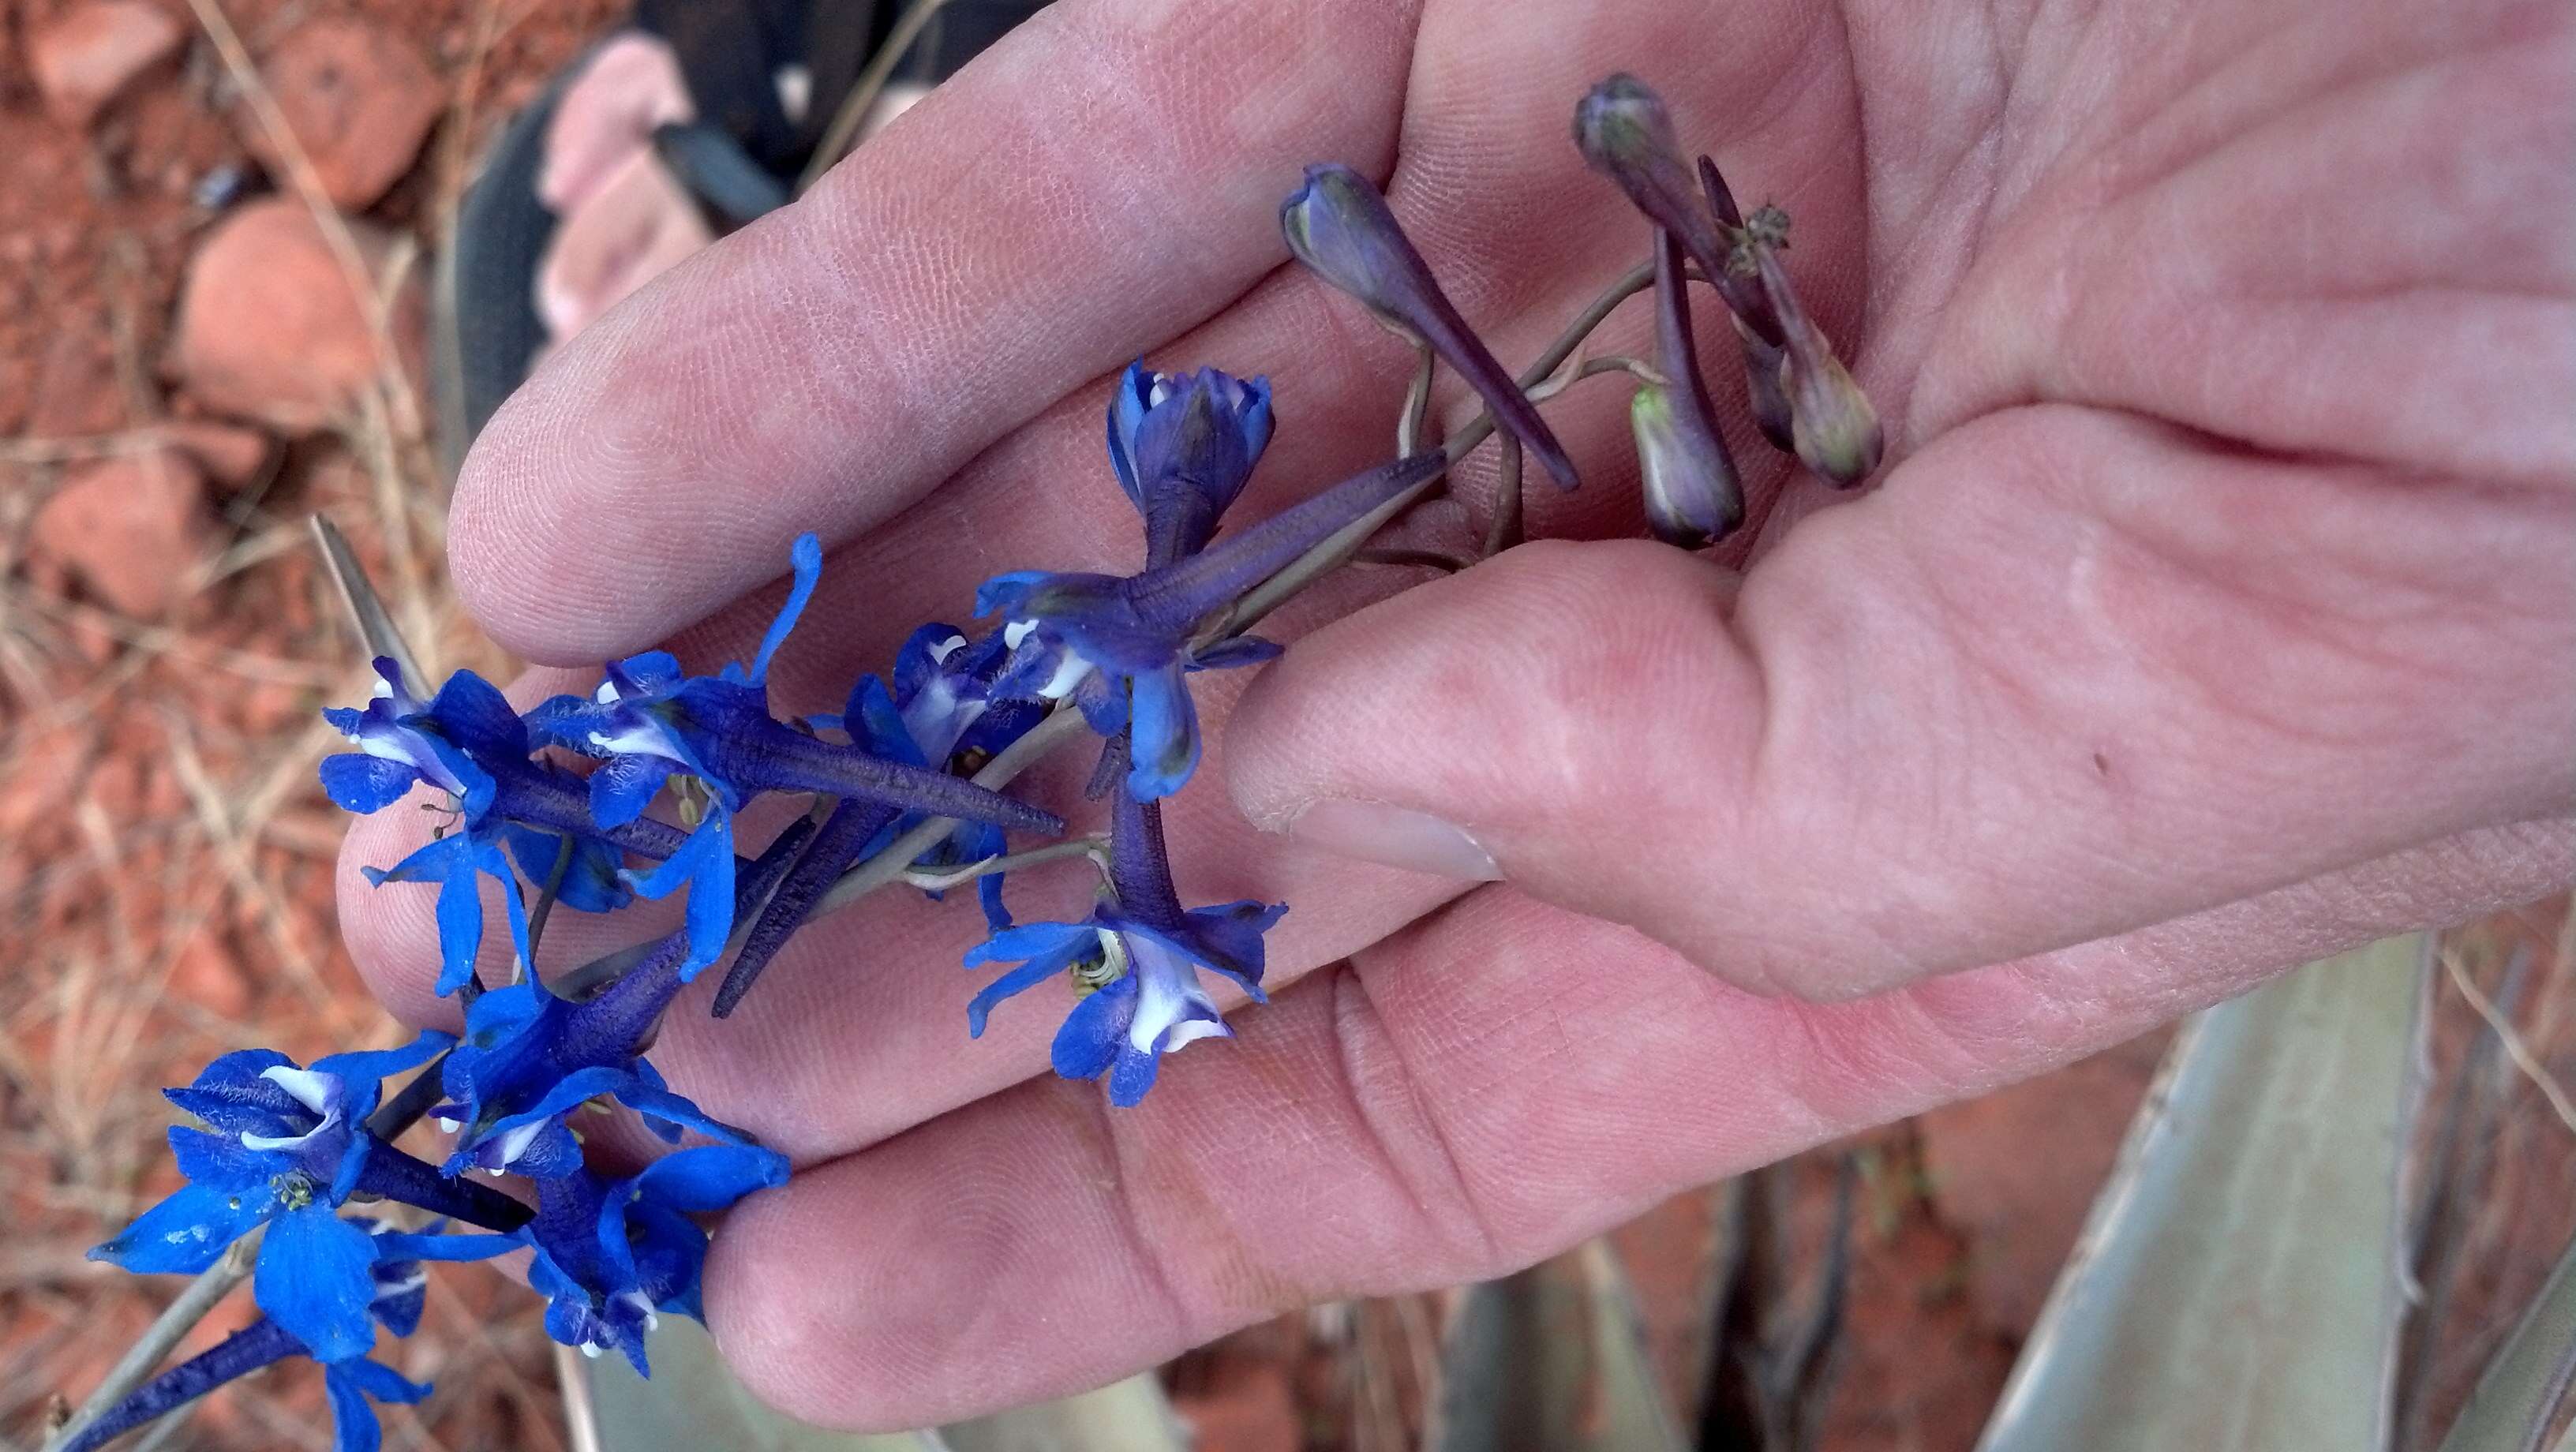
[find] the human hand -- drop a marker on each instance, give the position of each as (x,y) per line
(2211,614)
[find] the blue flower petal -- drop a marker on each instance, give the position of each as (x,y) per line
(873,722)
(353,1421)
(648,673)
(1028,975)
(1093,1032)
(1228,939)
(708,1178)
(1127,405)
(1165,727)
(363,1071)
(660,1107)
(230,1095)
(590,881)
(314,1279)
(806,554)
(184,1233)
(562,721)
(1133,1074)
(357,782)
(622,788)
(219,1162)
(1031,940)
(475,715)
(706,863)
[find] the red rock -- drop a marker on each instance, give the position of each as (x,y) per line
(232,457)
(269,327)
(43,771)
(2016,1172)
(129,528)
(87,58)
(115,786)
(209,974)
(75,391)
(360,99)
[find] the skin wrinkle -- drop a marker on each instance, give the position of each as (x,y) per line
(1361,1043)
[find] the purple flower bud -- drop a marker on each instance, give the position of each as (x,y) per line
(1692,496)
(1338,225)
(1834,428)
(1762,359)
(1763,365)
(1625,134)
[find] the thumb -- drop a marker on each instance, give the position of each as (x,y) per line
(1987,712)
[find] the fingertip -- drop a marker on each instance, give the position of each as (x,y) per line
(559,534)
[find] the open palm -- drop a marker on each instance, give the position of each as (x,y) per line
(2214,611)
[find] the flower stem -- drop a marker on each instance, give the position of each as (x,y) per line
(166,1330)
(261,1343)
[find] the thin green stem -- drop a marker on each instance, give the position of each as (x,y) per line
(1093,846)
(1417,403)
(546,896)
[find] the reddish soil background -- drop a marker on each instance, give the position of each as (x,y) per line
(166,638)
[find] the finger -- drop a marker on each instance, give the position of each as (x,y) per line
(1491,1086)
(1101,179)
(886,974)
(2065,676)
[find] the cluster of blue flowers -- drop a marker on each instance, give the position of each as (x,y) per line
(286,1149)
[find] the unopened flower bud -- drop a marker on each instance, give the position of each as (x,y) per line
(1693,498)
(1625,134)
(1833,427)
(1338,225)
(1762,368)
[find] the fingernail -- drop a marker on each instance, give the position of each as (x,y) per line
(1394,837)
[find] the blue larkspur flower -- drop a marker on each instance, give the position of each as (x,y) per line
(1183,445)
(396,1298)
(650,720)
(1138,954)
(288,1147)
(530,1057)
(468,743)
(1339,226)
(614,1254)
(1119,647)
